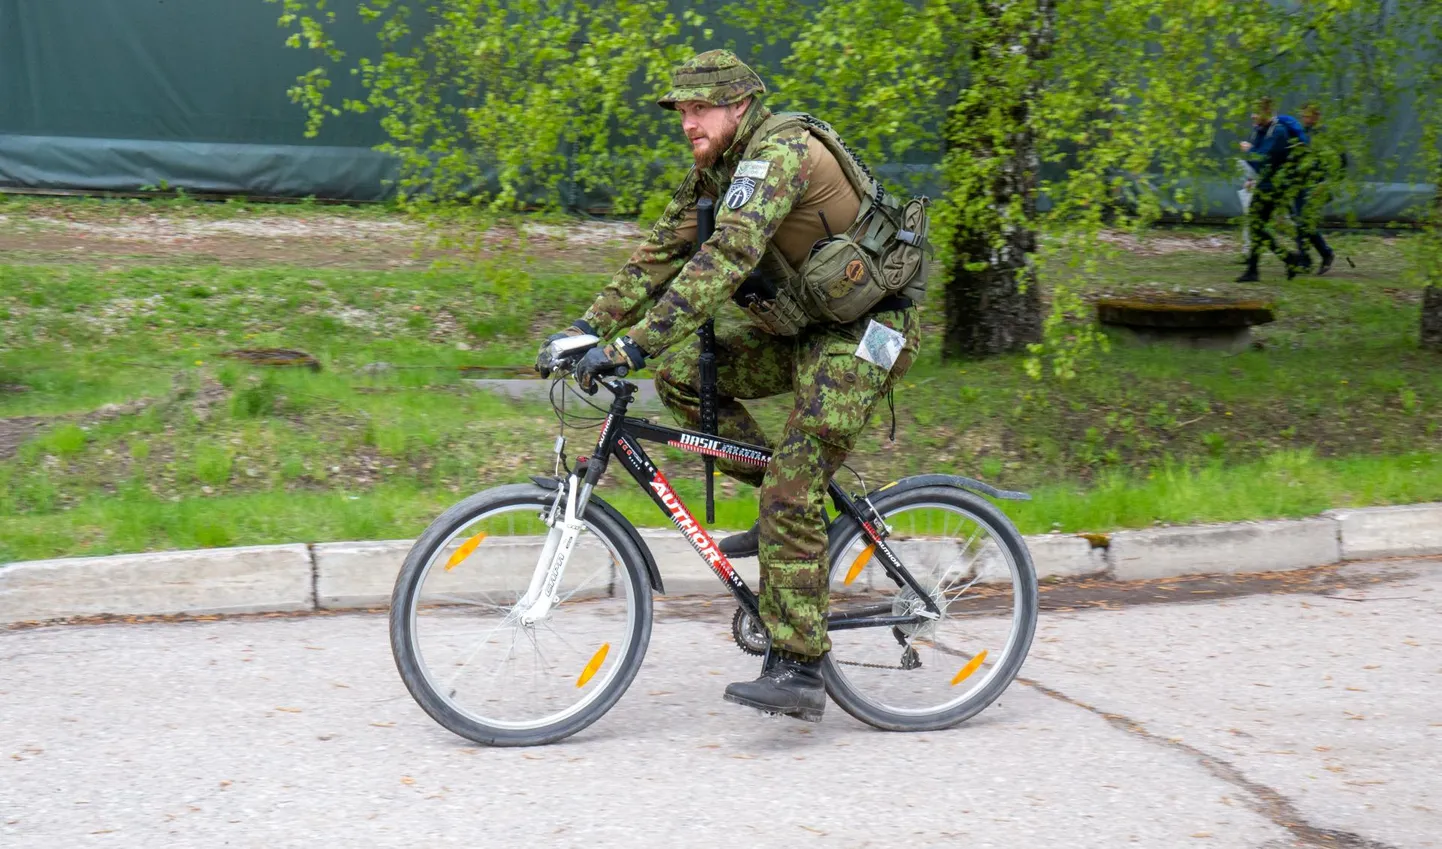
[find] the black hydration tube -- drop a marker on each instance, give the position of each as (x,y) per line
(705,226)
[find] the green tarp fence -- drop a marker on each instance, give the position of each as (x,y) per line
(120,95)
(129,95)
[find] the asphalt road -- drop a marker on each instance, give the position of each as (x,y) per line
(1294,718)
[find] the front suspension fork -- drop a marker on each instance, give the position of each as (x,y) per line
(541,596)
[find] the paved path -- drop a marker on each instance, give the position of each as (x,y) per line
(1256,721)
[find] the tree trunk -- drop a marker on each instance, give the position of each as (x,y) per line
(1432,317)
(1432,295)
(993,305)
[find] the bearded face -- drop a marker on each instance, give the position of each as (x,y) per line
(711,129)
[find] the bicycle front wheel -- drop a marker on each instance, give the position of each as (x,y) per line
(462,631)
(968,557)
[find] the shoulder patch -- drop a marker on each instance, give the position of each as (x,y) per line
(741,191)
(756,168)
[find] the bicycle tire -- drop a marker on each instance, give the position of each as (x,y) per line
(845,533)
(407,594)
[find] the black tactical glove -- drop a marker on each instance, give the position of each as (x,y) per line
(619,358)
(543,357)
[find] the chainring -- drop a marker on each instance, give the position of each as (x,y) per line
(748,632)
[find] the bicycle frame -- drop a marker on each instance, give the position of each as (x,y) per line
(621,436)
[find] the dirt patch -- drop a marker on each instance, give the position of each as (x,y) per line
(14,432)
(1160,244)
(161,229)
(320,240)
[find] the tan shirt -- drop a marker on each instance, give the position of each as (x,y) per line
(827,192)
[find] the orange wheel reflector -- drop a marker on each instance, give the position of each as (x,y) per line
(970,667)
(861,560)
(591,668)
(465,550)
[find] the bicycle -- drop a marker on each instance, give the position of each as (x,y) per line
(468,589)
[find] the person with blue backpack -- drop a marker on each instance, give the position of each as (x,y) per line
(1276,140)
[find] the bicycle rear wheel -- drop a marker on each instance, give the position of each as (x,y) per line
(973,563)
(458,629)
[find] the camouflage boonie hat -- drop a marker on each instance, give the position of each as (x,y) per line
(716,77)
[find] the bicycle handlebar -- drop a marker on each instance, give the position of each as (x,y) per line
(563,354)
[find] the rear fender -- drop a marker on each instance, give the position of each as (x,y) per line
(957,481)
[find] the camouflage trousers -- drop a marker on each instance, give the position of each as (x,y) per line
(836,392)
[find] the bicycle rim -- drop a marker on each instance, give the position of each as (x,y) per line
(942,671)
(479,658)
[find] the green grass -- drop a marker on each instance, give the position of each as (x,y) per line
(1286,485)
(75,337)
(1337,407)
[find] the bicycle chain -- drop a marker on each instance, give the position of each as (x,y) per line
(870,665)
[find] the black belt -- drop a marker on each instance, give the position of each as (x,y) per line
(891,303)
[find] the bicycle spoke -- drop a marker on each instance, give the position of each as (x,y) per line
(465,602)
(605,568)
(501,664)
(565,642)
(967,547)
(958,595)
(479,645)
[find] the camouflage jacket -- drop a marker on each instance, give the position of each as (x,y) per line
(681,289)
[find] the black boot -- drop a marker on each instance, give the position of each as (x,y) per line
(1327,257)
(743,544)
(1250,275)
(788,687)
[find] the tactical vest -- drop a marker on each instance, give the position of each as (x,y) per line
(883,253)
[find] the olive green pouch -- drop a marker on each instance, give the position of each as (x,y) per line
(840,281)
(905,262)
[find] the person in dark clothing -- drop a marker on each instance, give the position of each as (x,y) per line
(1312,168)
(1274,140)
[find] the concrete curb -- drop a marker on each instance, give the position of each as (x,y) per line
(352,575)
(1389,531)
(254,579)
(1224,549)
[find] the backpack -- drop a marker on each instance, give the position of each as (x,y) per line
(1294,128)
(885,252)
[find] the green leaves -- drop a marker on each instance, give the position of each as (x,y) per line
(505,103)
(1048,117)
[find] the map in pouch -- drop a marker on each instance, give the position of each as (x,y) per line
(880,345)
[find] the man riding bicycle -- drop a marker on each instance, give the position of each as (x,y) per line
(828,268)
